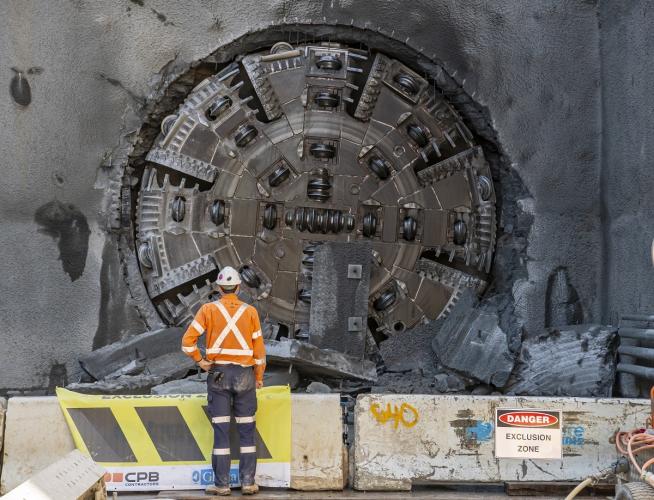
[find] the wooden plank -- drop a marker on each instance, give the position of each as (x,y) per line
(556,488)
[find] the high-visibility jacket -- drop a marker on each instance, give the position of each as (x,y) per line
(233,334)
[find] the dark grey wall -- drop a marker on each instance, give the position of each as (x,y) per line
(534,66)
(627,152)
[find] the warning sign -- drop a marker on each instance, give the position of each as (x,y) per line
(165,442)
(521,433)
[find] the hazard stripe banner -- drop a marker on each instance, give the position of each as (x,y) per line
(162,442)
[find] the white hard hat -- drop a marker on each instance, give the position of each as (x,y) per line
(228,276)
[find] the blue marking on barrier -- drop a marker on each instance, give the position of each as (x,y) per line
(574,435)
(481,431)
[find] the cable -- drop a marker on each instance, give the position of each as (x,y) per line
(579,488)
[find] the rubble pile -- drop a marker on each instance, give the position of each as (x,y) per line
(467,351)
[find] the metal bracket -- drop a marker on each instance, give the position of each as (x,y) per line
(354,323)
(354,271)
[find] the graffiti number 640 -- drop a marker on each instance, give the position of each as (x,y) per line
(405,414)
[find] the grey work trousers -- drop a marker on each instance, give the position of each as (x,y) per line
(232,386)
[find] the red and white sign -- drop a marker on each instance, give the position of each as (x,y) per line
(528,433)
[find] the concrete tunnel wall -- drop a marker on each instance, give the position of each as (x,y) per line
(537,70)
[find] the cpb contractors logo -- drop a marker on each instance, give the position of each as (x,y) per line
(133,478)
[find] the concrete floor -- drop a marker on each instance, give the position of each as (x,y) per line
(418,493)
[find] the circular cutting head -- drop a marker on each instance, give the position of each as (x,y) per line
(279,153)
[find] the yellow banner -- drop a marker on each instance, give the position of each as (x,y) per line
(172,435)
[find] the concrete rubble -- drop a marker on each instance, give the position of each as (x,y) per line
(466,352)
(312,360)
(154,353)
(193,384)
(318,388)
(197,384)
(575,360)
(153,363)
(125,384)
(471,342)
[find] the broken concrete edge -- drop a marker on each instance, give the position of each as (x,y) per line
(153,348)
(37,422)
(125,384)
(311,359)
(471,342)
(75,475)
(567,360)
(430,427)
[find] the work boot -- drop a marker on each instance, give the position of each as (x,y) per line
(250,489)
(221,491)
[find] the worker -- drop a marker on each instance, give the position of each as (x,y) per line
(235,360)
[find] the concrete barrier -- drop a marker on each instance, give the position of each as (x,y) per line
(75,476)
(451,438)
(37,436)
(317,450)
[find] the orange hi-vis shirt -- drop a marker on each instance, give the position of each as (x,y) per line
(233,334)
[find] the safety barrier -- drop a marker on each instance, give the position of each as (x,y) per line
(404,438)
(73,476)
(317,450)
(37,436)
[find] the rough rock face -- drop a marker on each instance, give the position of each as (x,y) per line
(578,360)
(471,342)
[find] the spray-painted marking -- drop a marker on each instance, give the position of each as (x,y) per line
(481,431)
(573,435)
(398,414)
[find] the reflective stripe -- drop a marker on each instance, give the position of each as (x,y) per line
(248,449)
(189,349)
(223,362)
(244,420)
(256,334)
(221,451)
(197,326)
(229,327)
(231,352)
(235,330)
(221,420)
(260,361)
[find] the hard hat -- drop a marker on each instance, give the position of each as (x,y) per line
(228,276)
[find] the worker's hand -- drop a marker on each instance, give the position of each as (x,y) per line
(205,365)
(259,384)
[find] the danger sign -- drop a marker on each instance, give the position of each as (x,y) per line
(534,434)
